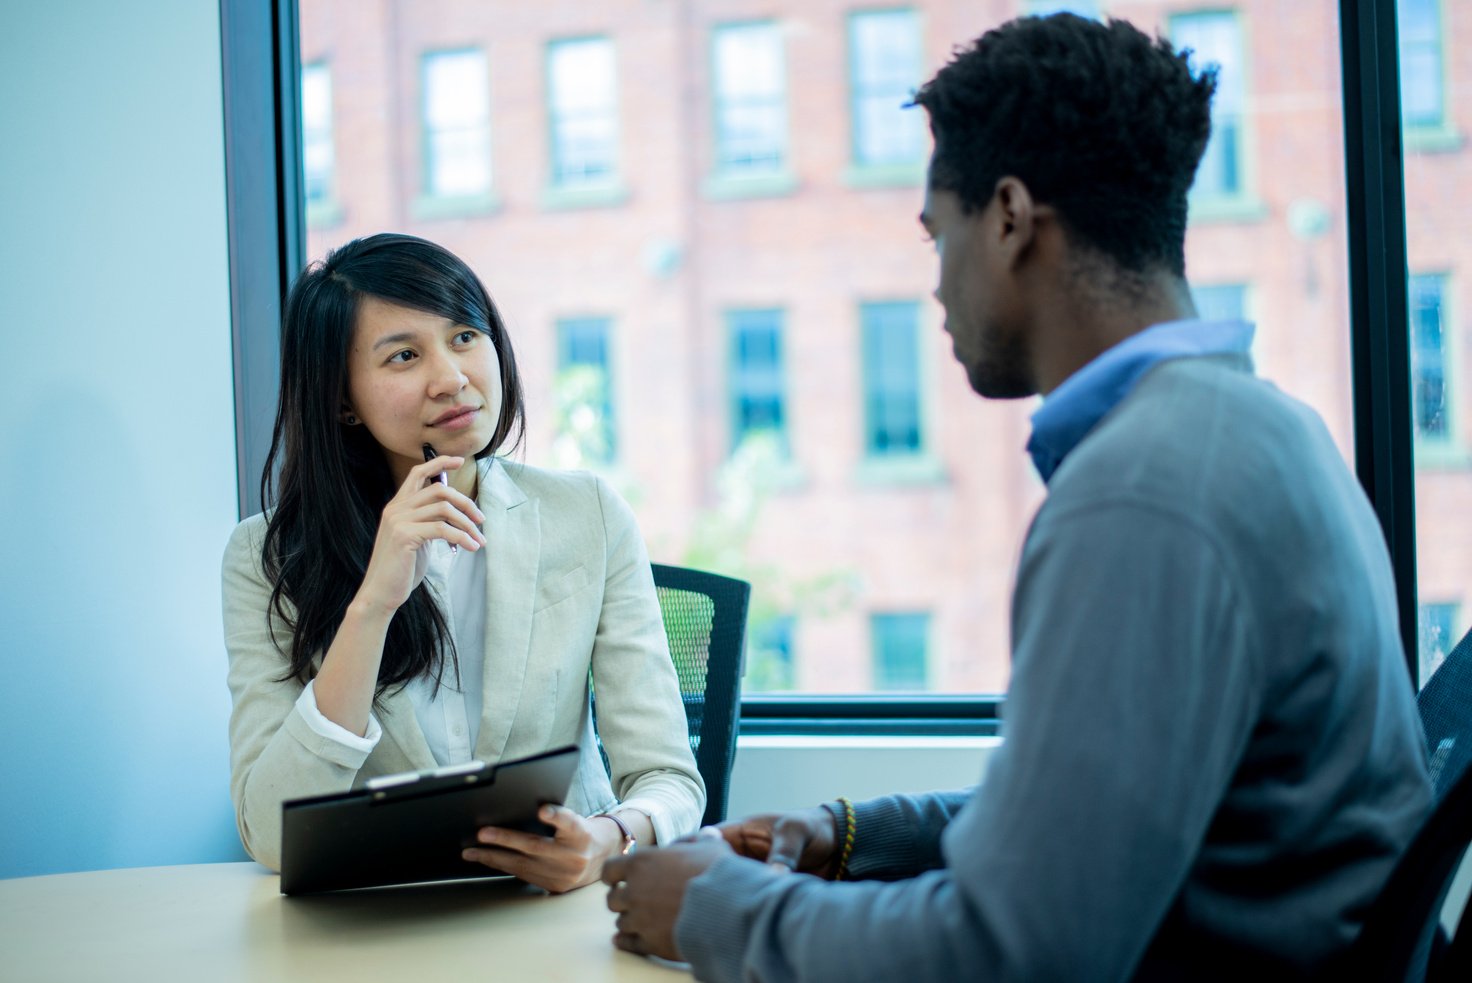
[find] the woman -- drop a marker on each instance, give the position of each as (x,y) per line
(393,613)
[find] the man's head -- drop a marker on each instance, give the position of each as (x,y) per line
(1094,130)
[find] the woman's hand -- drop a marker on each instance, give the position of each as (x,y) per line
(803,840)
(571,857)
(422,511)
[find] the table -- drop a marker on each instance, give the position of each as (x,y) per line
(223,922)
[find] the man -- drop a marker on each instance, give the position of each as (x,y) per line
(1211,757)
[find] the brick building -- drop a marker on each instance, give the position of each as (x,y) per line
(698,219)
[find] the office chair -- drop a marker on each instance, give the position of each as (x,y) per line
(1402,938)
(705,620)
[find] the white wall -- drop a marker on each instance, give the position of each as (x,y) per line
(780,773)
(117,473)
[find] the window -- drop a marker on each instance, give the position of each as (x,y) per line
(457,124)
(584,396)
(884,61)
(757,389)
(1084,8)
(1437,631)
(1215,38)
(1421,77)
(891,378)
(900,651)
(1429,358)
(583,112)
(769,663)
(730,315)
(317,151)
(750,100)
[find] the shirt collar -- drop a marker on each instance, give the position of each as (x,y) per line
(1083,399)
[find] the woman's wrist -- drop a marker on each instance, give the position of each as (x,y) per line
(613,835)
(368,614)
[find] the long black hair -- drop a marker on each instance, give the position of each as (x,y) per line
(334,479)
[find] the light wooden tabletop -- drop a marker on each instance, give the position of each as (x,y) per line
(223,922)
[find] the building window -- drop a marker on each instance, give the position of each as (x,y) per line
(1422,94)
(885,66)
(758,405)
(585,389)
(317,154)
(769,664)
(1215,38)
(457,124)
(750,100)
(1084,8)
(900,651)
(1437,631)
(891,378)
(583,112)
(1429,357)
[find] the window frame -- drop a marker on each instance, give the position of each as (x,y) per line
(608,183)
(879,641)
(1429,137)
(858,167)
(261,63)
(326,211)
(866,309)
(734,434)
(1241,204)
(432,203)
(724,182)
(563,326)
(1039,8)
(1453,628)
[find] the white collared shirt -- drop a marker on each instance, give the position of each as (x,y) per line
(450,718)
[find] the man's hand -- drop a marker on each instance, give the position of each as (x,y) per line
(804,841)
(647,888)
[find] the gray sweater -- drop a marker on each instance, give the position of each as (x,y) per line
(1211,759)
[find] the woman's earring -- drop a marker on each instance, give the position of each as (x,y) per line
(350,420)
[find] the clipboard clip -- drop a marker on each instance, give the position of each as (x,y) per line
(404,781)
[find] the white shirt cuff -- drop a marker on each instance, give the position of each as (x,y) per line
(306,705)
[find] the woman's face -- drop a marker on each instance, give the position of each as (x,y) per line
(416,378)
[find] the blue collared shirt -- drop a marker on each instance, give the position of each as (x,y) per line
(1071,410)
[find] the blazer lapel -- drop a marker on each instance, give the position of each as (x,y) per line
(514,538)
(400,725)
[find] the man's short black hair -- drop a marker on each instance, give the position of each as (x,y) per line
(1098,120)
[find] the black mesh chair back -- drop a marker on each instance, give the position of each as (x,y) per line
(705,620)
(1402,937)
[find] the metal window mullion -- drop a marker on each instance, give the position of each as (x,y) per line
(260,86)
(1380,344)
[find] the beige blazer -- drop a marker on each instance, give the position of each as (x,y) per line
(568,587)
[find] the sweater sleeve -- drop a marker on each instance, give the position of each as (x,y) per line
(900,835)
(1130,704)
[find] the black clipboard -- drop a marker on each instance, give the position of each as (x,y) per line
(400,829)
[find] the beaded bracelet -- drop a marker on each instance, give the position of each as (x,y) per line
(849,826)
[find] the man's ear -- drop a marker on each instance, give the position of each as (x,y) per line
(1016,214)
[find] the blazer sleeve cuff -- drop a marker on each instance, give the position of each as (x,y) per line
(327,739)
(671,816)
